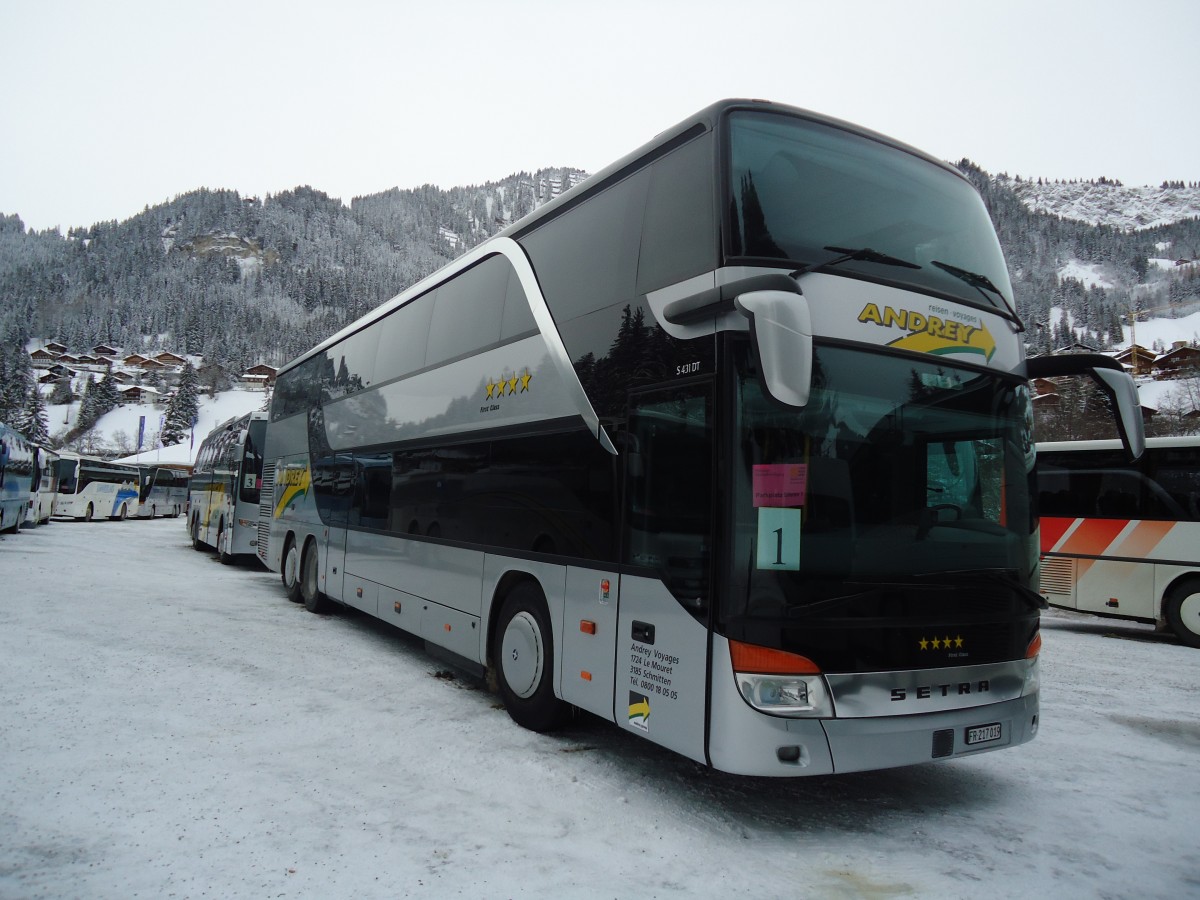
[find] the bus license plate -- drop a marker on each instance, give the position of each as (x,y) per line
(981,734)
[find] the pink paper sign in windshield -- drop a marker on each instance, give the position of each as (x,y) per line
(780,485)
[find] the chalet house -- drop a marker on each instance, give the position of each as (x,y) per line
(105,350)
(260,375)
(151,365)
(51,378)
(1144,358)
(170,359)
(122,377)
(68,360)
(133,359)
(138,394)
(55,347)
(44,358)
(1180,362)
(61,371)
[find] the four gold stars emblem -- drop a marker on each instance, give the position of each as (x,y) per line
(939,643)
(515,384)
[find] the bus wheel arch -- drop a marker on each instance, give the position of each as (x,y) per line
(1181,608)
(289,569)
(521,642)
(310,587)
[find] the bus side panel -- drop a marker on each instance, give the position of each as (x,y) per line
(1115,587)
(589,630)
(661,661)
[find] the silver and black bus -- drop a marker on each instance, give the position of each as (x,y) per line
(729,445)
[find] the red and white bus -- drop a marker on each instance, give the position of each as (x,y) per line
(1122,538)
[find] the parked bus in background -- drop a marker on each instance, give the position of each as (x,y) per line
(729,445)
(44,487)
(162,491)
(223,489)
(16,478)
(1121,538)
(90,488)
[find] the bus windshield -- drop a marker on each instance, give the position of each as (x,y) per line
(810,194)
(898,472)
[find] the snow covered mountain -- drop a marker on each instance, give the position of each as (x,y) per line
(1105,202)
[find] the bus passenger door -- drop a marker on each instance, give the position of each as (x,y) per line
(662,633)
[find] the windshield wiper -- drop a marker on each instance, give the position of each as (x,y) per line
(1004,576)
(863,254)
(981,283)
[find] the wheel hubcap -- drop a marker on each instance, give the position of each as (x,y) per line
(521,655)
(1189,613)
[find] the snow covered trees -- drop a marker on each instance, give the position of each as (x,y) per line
(182,408)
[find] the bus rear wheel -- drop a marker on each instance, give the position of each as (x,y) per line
(1183,611)
(523,657)
(310,590)
(290,572)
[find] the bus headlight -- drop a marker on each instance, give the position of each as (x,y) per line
(778,682)
(1031,678)
(782,695)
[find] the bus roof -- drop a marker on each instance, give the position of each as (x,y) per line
(699,123)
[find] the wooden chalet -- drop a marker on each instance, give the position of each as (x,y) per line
(56,348)
(1144,358)
(169,359)
(44,358)
(260,375)
(105,350)
(133,359)
(1181,361)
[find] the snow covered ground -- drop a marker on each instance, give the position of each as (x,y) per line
(172,727)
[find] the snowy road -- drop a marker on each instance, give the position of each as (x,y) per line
(170,727)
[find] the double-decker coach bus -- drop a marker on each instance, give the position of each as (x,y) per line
(162,490)
(89,488)
(223,491)
(729,445)
(17,468)
(1120,538)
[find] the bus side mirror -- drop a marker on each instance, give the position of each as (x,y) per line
(781,328)
(1111,378)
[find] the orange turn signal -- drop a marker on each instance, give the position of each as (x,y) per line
(1035,646)
(768,661)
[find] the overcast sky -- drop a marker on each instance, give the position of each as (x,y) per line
(109,107)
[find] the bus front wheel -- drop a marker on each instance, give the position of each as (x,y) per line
(1183,611)
(523,657)
(88,513)
(310,590)
(290,572)
(223,553)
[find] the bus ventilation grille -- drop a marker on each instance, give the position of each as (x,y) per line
(266,503)
(1058,575)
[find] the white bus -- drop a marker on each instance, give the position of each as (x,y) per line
(17,470)
(162,490)
(223,488)
(729,445)
(44,487)
(1122,539)
(90,488)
